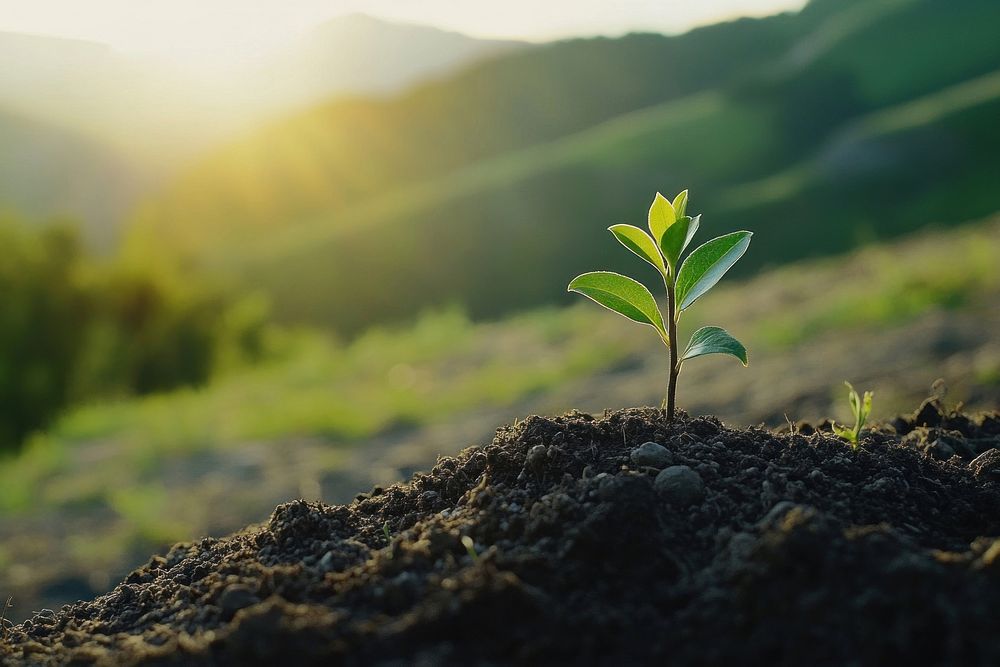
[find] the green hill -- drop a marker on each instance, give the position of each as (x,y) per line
(356,150)
(845,122)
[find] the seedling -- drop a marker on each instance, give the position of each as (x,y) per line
(470,547)
(670,232)
(861,408)
(385,531)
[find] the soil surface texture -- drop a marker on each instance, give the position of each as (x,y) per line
(574,540)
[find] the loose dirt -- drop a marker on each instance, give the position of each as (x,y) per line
(749,547)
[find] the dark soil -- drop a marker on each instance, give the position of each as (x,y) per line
(791,549)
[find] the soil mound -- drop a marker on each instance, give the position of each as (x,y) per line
(589,546)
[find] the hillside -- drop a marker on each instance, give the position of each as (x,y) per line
(621,538)
(350,152)
(769,144)
(361,55)
(109,482)
(46,171)
(163,111)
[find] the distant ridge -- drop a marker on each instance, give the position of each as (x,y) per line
(102,101)
(503,165)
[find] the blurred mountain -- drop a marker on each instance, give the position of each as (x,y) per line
(359,54)
(158,117)
(163,111)
(350,152)
(84,87)
(846,122)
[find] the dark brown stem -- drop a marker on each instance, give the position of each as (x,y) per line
(674,361)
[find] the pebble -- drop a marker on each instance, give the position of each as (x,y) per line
(651,455)
(987,465)
(536,456)
(680,485)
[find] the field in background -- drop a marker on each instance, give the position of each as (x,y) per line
(109,483)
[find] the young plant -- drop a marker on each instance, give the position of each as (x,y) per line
(470,547)
(861,408)
(385,531)
(670,232)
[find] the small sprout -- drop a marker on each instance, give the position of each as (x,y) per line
(670,232)
(793,429)
(470,546)
(385,531)
(861,409)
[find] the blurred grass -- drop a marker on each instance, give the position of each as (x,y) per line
(388,379)
(886,291)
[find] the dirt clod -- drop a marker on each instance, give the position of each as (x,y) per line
(680,485)
(651,455)
(779,549)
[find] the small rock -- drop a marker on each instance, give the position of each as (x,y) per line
(940,443)
(536,456)
(987,465)
(680,485)
(651,455)
(940,449)
(236,597)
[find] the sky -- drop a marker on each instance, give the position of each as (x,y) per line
(189,29)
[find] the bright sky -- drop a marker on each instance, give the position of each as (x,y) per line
(187,29)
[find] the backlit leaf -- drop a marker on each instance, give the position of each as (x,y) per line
(639,242)
(714,340)
(680,204)
(706,265)
(661,216)
(621,294)
(677,237)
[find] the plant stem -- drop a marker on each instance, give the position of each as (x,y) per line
(672,334)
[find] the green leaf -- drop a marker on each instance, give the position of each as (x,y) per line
(661,216)
(677,237)
(853,400)
(714,340)
(680,204)
(620,294)
(639,242)
(845,433)
(706,265)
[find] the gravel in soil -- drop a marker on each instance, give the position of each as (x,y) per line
(590,546)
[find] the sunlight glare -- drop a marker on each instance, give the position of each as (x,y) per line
(220,33)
